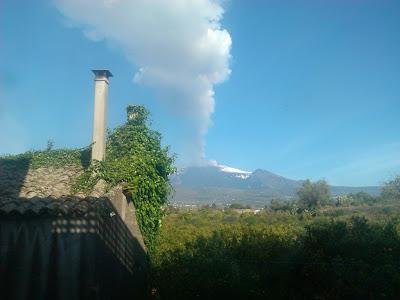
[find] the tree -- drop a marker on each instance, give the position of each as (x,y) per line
(391,189)
(314,194)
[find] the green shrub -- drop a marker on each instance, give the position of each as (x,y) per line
(319,258)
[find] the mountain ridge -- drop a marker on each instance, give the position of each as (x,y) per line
(223,185)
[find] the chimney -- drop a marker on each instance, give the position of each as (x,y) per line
(100,114)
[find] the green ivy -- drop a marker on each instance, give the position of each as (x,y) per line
(49,158)
(136,160)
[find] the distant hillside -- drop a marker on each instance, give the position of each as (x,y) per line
(224,185)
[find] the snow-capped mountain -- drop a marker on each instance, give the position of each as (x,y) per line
(210,176)
(236,172)
(223,184)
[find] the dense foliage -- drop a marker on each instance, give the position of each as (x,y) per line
(49,158)
(215,254)
(313,194)
(136,160)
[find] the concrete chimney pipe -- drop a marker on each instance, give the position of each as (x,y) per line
(100,114)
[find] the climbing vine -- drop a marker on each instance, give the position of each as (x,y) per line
(136,160)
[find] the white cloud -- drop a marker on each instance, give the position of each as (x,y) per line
(178,45)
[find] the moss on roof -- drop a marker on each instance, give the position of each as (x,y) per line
(48,158)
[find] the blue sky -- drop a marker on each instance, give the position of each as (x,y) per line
(314,90)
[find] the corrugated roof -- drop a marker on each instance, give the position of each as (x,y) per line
(66,205)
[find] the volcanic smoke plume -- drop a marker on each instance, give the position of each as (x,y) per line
(178,45)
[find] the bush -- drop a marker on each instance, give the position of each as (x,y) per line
(319,259)
(234,262)
(283,205)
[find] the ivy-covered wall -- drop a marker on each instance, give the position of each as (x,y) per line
(136,161)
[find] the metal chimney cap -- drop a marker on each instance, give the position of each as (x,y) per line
(102,72)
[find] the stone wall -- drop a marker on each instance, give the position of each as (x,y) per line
(17,181)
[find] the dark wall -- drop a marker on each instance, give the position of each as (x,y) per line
(69,257)
(12,176)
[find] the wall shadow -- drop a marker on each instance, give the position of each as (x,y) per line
(68,248)
(12,175)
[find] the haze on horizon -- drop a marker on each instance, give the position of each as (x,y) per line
(309,89)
